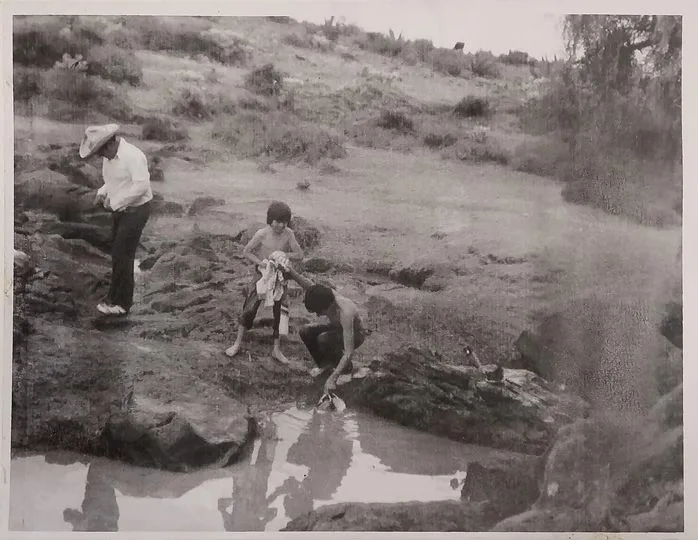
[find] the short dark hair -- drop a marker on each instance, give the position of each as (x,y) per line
(318,298)
(279,211)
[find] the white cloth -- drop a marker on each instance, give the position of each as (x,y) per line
(272,284)
(126,177)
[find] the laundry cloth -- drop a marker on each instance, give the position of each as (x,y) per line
(272,284)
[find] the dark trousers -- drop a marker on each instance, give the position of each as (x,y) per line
(325,343)
(127,227)
(251,306)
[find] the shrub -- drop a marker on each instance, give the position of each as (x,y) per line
(438,140)
(382,44)
(280,20)
(395,120)
(264,80)
(472,106)
(41,41)
(279,136)
(478,146)
(162,129)
(115,65)
(197,103)
(423,49)
(26,83)
(81,94)
(484,64)
(294,40)
(515,58)
(448,61)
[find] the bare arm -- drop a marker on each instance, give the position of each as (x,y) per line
(347,322)
(300,279)
(248,250)
(296,252)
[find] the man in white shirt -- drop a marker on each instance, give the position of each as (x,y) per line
(126,193)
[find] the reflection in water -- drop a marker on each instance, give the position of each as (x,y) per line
(304,460)
(325,448)
(250,505)
(100,511)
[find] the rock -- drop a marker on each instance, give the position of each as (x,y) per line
(62,393)
(80,173)
(587,346)
(533,354)
(179,435)
(317,265)
(414,388)
(602,473)
(86,391)
(435,283)
(22,264)
(672,324)
(95,235)
(53,192)
(412,275)
(511,487)
(156,174)
(59,285)
(414,516)
(166,208)
(181,300)
(201,203)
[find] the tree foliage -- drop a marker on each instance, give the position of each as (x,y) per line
(624,80)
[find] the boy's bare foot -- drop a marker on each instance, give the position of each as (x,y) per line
(233,350)
(277,355)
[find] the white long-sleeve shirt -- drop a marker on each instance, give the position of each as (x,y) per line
(126,177)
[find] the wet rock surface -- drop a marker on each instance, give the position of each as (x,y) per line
(442,516)
(414,388)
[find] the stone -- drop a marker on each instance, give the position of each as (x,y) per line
(202,203)
(439,516)
(511,487)
(522,413)
(179,435)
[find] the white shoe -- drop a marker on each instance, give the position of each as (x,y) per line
(317,371)
(108,309)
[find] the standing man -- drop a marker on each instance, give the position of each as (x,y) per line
(126,193)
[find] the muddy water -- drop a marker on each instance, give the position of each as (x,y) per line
(306,459)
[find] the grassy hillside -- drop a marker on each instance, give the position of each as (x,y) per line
(274,89)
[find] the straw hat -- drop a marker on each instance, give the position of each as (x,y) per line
(95,137)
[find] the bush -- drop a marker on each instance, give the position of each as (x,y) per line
(448,62)
(395,120)
(438,140)
(423,49)
(484,64)
(294,40)
(26,83)
(80,93)
(197,103)
(382,44)
(42,41)
(515,58)
(264,80)
(478,147)
(115,65)
(472,106)
(163,129)
(191,36)
(278,135)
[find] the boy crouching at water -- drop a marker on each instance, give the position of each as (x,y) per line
(332,344)
(274,243)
